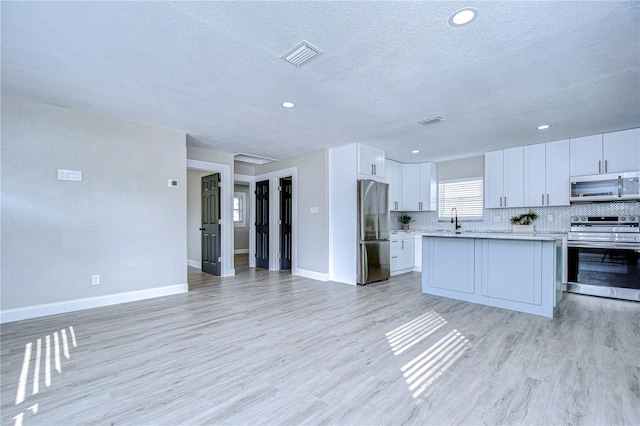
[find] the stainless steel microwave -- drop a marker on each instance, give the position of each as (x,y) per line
(605,187)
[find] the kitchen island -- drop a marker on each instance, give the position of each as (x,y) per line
(521,272)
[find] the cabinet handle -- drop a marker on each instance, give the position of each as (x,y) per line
(547,199)
(605,166)
(402,245)
(500,201)
(372,172)
(505,201)
(543,199)
(599,166)
(420,205)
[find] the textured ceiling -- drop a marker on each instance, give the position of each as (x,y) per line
(212,70)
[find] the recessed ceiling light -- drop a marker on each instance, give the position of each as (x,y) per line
(463,17)
(415,151)
(288,104)
(543,127)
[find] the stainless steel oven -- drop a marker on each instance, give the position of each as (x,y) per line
(603,254)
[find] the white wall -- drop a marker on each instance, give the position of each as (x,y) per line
(343,190)
(122,221)
(312,229)
(216,162)
(463,168)
(241,233)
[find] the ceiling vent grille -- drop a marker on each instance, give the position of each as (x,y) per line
(431,120)
(301,54)
(252,159)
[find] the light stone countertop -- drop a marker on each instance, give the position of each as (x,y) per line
(492,235)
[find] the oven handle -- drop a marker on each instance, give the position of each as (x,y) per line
(589,244)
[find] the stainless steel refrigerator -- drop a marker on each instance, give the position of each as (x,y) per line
(373,231)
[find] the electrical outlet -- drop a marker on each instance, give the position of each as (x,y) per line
(549,218)
(497,218)
(95,279)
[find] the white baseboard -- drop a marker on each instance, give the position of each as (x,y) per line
(19,314)
(311,274)
(241,251)
(194,263)
(401,271)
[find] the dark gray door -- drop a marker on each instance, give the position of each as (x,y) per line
(262,224)
(286,218)
(210,229)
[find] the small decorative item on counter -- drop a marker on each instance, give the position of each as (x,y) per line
(405,219)
(524,222)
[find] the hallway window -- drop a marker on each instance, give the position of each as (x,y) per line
(239,216)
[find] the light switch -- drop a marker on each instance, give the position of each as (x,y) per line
(314,210)
(549,218)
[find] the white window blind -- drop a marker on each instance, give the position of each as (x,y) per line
(466,195)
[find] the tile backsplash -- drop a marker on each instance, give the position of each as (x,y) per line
(551,219)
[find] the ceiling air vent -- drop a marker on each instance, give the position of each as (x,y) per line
(301,54)
(252,159)
(431,120)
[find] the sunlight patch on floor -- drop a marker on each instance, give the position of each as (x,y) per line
(412,332)
(53,347)
(425,368)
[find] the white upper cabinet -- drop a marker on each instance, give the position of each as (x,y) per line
(621,151)
(420,187)
(609,153)
(513,177)
(557,173)
(493,179)
(586,155)
(504,178)
(534,175)
(546,174)
(429,190)
(371,162)
(395,180)
(411,187)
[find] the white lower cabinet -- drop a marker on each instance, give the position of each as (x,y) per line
(417,251)
(402,253)
(519,274)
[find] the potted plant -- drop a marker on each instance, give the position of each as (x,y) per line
(524,222)
(405,219)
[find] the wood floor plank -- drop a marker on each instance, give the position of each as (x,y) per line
(266,347)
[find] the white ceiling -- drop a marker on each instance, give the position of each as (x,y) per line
(212,70)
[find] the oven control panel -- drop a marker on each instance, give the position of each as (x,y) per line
(630,220)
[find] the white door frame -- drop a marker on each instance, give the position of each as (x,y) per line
(226,211)
(252,214)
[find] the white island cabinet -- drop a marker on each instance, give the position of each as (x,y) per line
(518,272)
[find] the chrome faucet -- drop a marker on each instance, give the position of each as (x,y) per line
(458,225)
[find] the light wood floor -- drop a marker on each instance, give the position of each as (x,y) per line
(271,348)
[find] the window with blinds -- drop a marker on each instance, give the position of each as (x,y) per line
(466,195)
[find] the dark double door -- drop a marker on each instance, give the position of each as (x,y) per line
(262,224)
(210,228)
(285,223)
